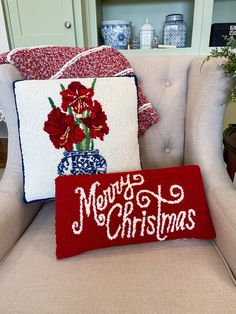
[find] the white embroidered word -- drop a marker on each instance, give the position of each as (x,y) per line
(128,225)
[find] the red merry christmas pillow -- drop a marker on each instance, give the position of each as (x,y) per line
(98,211)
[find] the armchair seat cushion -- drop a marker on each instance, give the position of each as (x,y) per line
(181,276)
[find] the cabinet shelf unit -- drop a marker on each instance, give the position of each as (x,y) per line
(27,25)
(198,15)
(215,11)
(137,11)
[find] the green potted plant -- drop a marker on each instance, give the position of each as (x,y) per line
(229,67)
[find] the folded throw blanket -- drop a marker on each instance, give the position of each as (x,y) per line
(53,62)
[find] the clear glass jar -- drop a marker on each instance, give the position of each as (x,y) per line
(175,30)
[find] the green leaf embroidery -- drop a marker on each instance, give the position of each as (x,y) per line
(52,103)
(70,111)
(79,146)
(62,87)
(93,84)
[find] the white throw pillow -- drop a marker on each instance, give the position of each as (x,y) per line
(116,99)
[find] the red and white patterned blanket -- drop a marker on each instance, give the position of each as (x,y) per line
(54,62)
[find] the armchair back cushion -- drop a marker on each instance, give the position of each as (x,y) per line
(164,79)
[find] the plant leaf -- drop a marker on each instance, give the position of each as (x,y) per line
(229,67)
(93,84)
(52,103)
(70,111)
(62,87)
(79,146)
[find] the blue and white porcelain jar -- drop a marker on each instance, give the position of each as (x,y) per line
(116,33)
(175,30)
(82,162)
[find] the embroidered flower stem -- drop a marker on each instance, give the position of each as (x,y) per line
(87,143)
(93,84)
(52,103)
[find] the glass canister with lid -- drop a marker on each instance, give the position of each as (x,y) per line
(175,30)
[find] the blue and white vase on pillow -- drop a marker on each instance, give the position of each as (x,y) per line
(82,162)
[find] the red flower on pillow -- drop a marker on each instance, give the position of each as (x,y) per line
(78,97)
(96,122)
(82,120)
(62,130)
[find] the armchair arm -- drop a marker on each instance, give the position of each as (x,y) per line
(208,89)
(15,216)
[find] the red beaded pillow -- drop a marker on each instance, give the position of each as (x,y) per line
(107,210)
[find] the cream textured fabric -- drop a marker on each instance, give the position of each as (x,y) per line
(172,277)
(118,98)
(203,136)
(164,80)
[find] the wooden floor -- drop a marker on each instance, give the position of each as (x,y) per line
(3,152)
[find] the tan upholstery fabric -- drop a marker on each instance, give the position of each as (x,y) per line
(203,146)
(14,215)
(224,219)
(171,277)
(164,80)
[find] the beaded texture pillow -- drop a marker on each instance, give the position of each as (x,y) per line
(56,62)
(129,208)
(75,126)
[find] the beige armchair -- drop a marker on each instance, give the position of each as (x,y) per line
(181,276)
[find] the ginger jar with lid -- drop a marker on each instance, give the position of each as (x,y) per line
(175,30)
